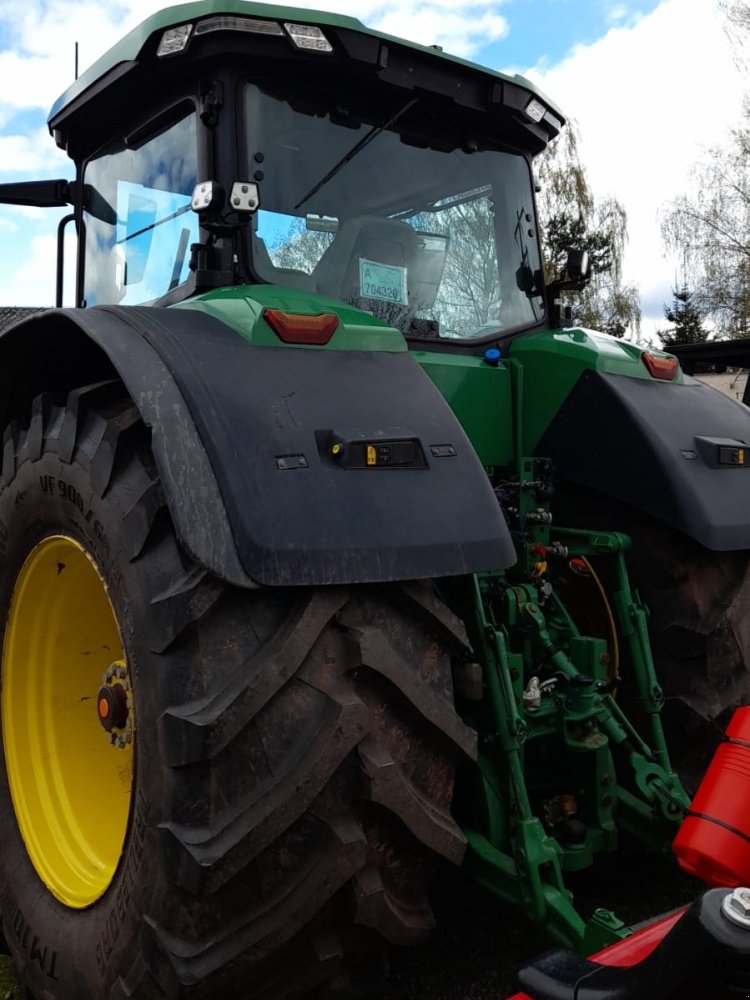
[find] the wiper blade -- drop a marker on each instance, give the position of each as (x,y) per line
(356,148)
(153,225)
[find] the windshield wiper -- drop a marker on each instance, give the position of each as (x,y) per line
(153,225)
(356,148)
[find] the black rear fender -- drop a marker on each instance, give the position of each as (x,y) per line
(666,449)
(244,438)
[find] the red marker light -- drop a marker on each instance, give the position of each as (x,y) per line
(660,367)
(296,328)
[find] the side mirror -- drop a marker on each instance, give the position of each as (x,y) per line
(578,268)
(575,277)
(531,283)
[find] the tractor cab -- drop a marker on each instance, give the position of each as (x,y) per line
(266,146)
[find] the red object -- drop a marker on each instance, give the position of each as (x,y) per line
(633,949)
(660,367)
(296,328)
(714,839)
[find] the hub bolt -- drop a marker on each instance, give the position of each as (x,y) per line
(736,906)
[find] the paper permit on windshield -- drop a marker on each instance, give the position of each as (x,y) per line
(386,282)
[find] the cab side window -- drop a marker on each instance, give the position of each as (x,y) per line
(137,217)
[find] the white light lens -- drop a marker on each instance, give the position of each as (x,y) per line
(238,24)
(174,40)
(535,110)
(244,196)
(305,36)
(554,122)
(203,195)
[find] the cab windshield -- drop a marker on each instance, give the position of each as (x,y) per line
(439,242)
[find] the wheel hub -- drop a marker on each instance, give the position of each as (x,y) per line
(114,705)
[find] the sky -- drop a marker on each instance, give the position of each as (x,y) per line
(652,85)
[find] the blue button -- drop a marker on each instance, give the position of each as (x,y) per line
(492,356)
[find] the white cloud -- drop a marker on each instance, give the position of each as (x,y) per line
(621,13)
(455,32)
(26,212)
(31,282)
(617,12)
(40,58)
(649,99)
(34,154)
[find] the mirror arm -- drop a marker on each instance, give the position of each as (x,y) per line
(576,275)
(40,194)
(558,312)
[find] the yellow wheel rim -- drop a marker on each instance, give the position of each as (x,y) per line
(70,780)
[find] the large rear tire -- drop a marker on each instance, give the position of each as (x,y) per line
(699,624)
(260,807)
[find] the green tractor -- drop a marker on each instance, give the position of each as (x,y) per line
(320,532)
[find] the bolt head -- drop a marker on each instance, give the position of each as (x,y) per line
(736,906)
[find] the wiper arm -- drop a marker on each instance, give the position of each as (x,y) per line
(356,148)
(153,225)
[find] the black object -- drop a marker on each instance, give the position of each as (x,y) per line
(635,439)
(704,957)
(112,706)
(242,437)
(715,356)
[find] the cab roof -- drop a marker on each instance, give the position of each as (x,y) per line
(128,50)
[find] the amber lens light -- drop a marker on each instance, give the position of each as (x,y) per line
(296,328)
(660,367)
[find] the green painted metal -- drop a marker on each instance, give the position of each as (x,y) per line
(506,409)
(480,396)
(632,616)
(514,856)
(603,929)
(129,48)
(553,361)
(555,745)
(241,307)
